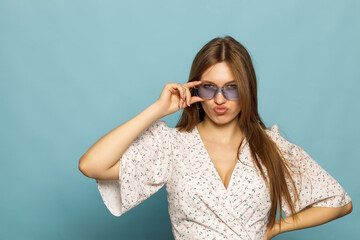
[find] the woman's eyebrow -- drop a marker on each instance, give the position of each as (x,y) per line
(213,82)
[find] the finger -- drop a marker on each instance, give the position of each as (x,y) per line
(182,94)
(181,90)
(192,83)
(187,96)
(176,87)
(181,103)
(195,99)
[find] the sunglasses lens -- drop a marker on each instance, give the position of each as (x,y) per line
(208,91)
(231,92)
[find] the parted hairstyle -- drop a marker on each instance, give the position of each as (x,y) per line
(263,150)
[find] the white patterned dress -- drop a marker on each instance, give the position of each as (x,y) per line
(200,207)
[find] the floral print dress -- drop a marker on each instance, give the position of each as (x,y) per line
(200,207)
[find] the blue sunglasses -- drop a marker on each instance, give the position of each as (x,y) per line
(209,91)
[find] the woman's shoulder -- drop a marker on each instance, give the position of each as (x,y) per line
(157,130)
(161,125)
(274,133)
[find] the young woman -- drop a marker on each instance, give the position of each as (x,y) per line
(226,174)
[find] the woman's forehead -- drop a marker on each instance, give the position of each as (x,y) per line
(219,73)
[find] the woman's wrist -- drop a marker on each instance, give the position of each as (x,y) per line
(274,231)
(157,110)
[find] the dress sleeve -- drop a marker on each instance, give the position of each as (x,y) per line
(145,167)
(316,187)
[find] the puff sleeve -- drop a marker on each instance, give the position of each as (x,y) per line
(144,168)
(316,187)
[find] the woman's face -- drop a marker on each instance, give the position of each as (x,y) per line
(220,75)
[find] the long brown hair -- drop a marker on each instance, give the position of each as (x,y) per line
(263,150)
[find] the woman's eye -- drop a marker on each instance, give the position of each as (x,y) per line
(208,86)
(232,86)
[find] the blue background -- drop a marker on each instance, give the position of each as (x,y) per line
(71,71)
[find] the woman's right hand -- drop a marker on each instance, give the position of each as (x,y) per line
(176,96)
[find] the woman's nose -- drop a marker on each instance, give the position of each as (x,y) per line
(219,98)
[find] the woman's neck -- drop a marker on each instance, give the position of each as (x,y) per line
(224,133)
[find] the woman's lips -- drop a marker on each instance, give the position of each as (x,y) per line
(220,110)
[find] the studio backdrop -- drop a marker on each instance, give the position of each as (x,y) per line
(71,71)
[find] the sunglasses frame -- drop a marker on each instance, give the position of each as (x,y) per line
(218,89)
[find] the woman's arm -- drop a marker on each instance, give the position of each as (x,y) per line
(310,217)
(101,161)
(107,151)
